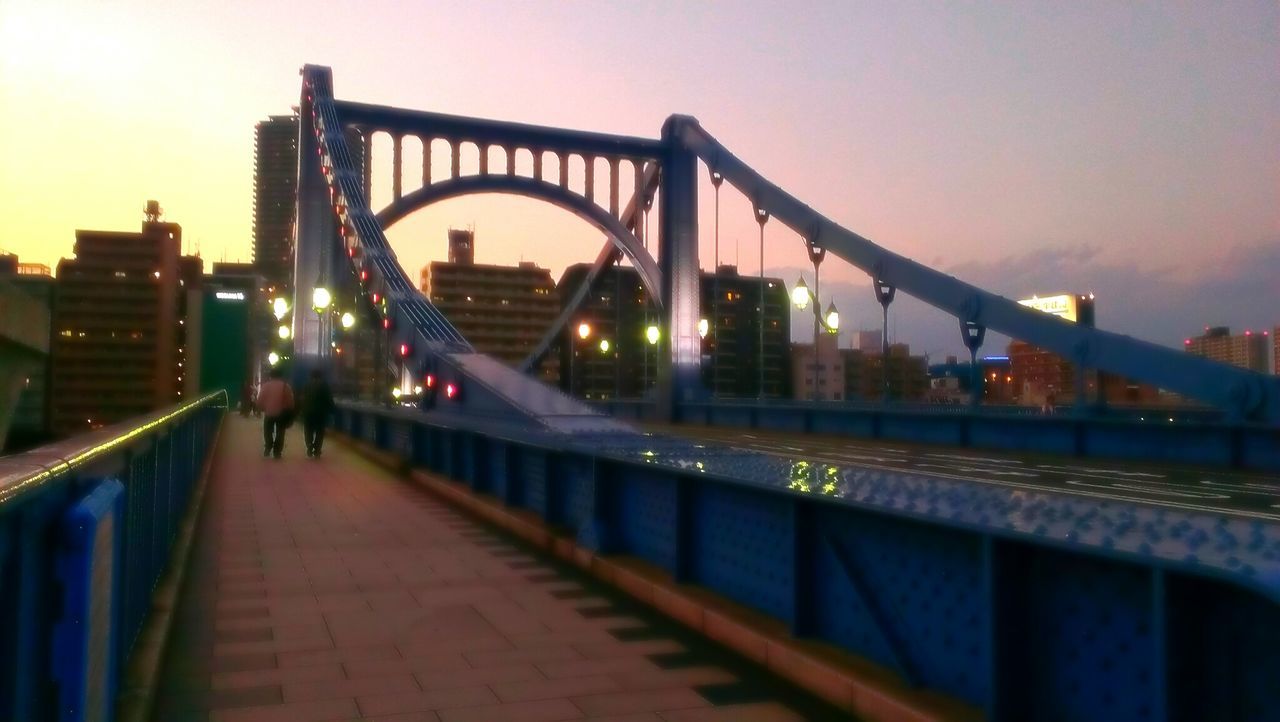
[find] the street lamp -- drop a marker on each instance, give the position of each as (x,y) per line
(320,298)
(651,334)
(348,320)
(280,307)
(273,358)
(800,296)
(584,332)
(703,327)
(604,345)
(283,332)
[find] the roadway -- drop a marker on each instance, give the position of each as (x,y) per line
(1190,488)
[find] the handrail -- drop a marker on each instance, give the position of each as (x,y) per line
(24,473)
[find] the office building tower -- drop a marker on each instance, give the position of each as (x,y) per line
(275,186)
(126,326)
(864,374)
(1038,376)
(731,349)
(503,311)
(1247,350)
(233,336)
(29,423)
(821,378)
(868,341)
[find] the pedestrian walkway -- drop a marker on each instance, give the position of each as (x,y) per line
(331,590)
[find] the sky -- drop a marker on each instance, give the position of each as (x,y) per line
(1130,150)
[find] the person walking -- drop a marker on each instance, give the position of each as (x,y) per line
(316,406)
(246,399)
(275,400)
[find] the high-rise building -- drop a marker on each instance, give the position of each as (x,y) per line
(30,422)
(864,374)
(231,344)
(820,378)
(1039,376)
(126,326)
(503,311)
(733,350)
(628,366)
(1247,350)
(868,341)
(275,188)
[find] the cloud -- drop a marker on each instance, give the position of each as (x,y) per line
(1161,299)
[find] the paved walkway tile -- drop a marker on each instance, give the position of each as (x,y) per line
(330,590)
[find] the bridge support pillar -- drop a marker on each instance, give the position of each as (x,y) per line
(314,255)
(679,370)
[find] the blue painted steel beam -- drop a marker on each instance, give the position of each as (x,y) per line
(1244,394)
(617,233)
(608,255)
(680,346)
(372,118)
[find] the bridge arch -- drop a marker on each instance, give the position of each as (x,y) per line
(613,228)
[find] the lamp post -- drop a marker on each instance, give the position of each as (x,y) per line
(651,334)
(584,333)
(320,300)
(801,296)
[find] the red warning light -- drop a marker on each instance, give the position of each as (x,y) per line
(430,381)
(450,391)
(386,323)
(404,349)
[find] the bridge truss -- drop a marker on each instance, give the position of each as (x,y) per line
(339,235)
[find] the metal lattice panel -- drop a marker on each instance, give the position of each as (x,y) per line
(742,547)
(926,586)
(534,468)
(1091,632)
(646,515)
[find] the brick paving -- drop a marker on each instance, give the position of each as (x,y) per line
(331,590)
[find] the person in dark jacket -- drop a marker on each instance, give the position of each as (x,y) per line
(317,405)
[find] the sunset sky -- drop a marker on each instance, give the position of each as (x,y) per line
(1128,149)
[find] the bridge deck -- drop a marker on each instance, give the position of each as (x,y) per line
(1213,490)
(329,590)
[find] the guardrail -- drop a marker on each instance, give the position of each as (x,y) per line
(1182,437)
(86,527)
(1027,605)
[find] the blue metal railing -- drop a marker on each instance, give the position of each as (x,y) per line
(86,527)
(1028,605)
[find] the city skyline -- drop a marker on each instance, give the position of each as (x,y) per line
(1032,151)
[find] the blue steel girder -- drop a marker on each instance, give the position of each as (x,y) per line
(1243,394)
(484,132)
(618,234)
(420,339)
(608,255)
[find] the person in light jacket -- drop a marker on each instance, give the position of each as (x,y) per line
(275,400)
